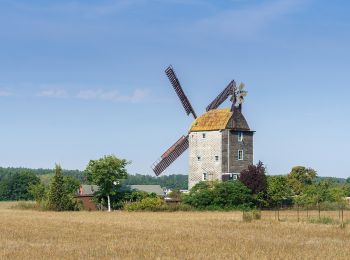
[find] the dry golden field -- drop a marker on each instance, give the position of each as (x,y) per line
(26,234)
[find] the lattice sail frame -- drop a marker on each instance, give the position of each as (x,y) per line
(170,155)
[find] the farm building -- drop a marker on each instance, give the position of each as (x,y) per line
(86,194)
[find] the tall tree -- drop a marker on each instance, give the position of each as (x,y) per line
(278,189)
(300,177)
(107,172)
(254,178)
(59,198)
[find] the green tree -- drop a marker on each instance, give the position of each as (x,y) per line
(300,177)
(319,193)
(38,191)
(15,186)
(278,190)
(59,198)
(107,172)
(71,184)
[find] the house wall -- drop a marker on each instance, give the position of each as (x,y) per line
(230,162)
(87,202)
(207,148)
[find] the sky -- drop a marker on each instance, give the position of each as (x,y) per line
(82,79)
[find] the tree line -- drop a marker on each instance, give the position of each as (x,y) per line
(14,182)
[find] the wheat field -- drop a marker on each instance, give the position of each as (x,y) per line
(27,234)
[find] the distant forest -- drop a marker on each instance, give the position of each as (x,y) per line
(176,181)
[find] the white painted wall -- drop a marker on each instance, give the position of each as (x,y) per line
(207,148)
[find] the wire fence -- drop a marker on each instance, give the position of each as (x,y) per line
(341,216)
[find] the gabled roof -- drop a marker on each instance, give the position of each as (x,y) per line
(88,189)
(215,119)
(148,188)
(220,119)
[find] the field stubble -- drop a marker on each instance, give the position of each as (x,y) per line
(183,235)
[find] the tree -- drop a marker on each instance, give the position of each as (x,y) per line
(318,193)
(254,178)
(107,172)
(71,184)
(38,191)
(59,197)
(15,186)
(175,194)
(278,189)
(300,177)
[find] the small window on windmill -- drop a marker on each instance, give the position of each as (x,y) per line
(198,158)
(205,176)
(204,135)
(240,155)
(240,136)
(216,158)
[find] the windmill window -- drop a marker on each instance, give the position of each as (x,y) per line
(198,158)
(216,158)
(204,135)
(240,155)
(240,136)
(205,176)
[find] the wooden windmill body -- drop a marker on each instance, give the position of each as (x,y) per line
(220,141)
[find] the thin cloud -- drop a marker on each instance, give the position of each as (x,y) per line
(248,21)
(137,96)
(5,93)
(53,93)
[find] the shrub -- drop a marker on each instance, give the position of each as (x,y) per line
(146,204)
(247,216)
(256,214)
(219,196)
(38,191)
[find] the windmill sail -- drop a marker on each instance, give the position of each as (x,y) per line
(170,155)
(229,90)
(179,91)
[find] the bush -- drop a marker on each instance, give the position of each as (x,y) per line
(248,216)
(219,196)
(146,204)
(256,214)
(155,204)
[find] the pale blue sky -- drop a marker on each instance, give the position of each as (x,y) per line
(80,79)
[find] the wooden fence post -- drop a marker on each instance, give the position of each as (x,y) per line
(298,212)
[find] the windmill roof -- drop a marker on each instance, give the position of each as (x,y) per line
(220,119)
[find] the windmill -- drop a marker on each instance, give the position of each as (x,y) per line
(219,125)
